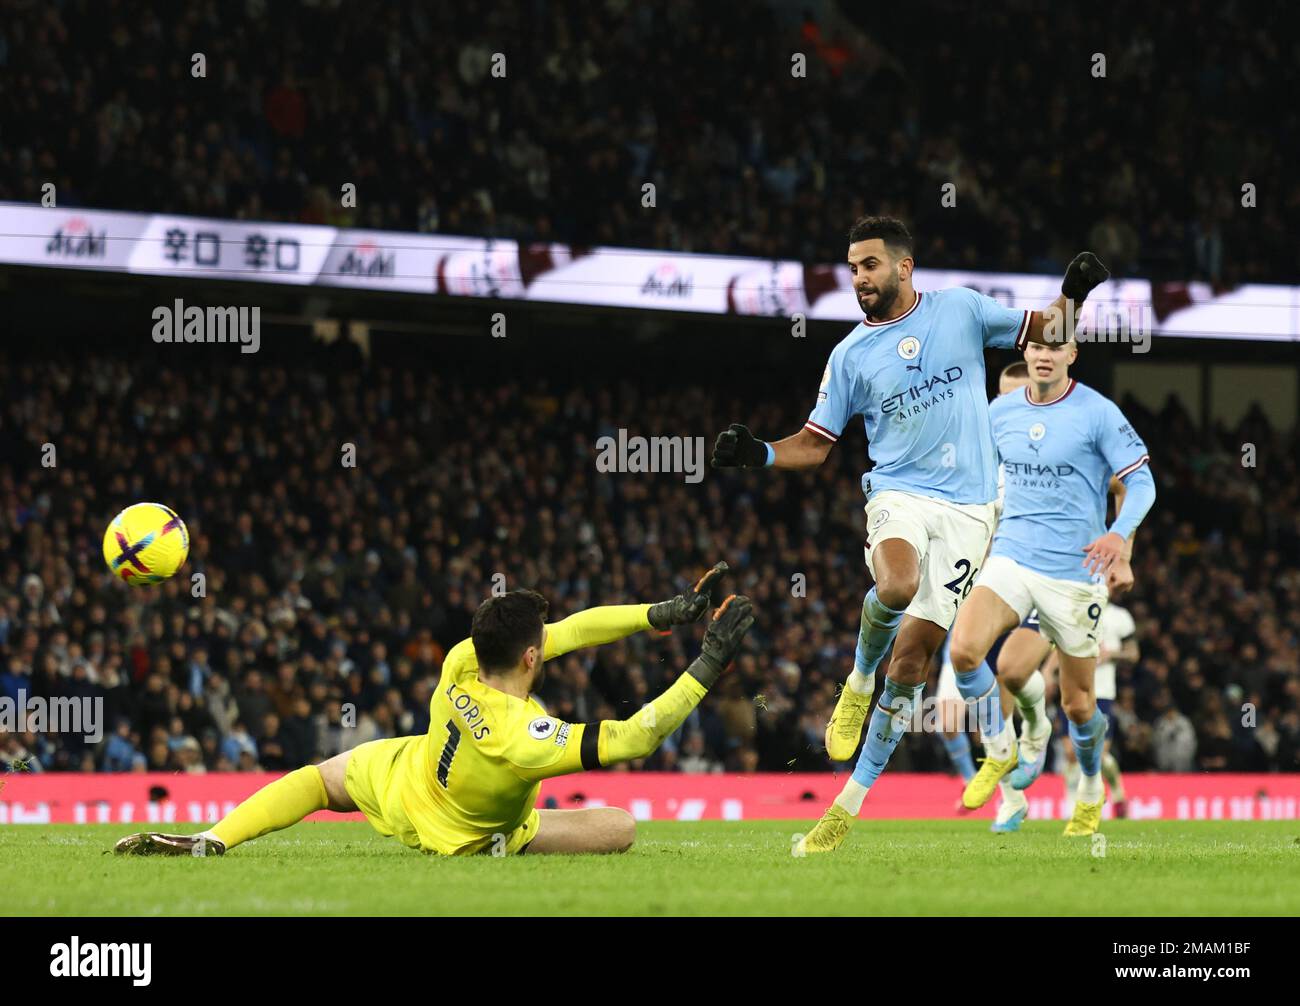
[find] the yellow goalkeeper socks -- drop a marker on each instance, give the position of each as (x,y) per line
(276,805)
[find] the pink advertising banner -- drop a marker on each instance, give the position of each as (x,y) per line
(70,798)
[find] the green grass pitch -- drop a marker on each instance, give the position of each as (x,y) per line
(887,868)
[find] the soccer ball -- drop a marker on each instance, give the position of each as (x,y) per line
(146,543)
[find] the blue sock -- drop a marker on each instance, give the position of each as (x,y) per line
(958,748)
(889,721)
(876,632)
(1087,739)
(980,688)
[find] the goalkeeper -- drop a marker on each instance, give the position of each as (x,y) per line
(470,784)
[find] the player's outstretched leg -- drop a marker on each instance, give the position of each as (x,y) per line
(592,830)
(918,640)
(876,630)
(980,689)
(1035,732)
(275,806)
(952,720)
(983,617)
(896,566)
(1012,811)
(888,722)
(1018,663)
(1087,736)
(957,745)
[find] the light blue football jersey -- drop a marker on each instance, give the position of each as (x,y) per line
(918,382)
(1058,457)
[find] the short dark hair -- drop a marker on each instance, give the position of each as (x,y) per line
(892,231)
(507,625)
(1017,368)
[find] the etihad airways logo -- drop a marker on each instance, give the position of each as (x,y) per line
(922,394)
(1037,470)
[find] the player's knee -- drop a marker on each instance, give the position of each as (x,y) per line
(1079,708)
(333,773)
(1013,677)
(964,654)
(908,667)
(897,590)
(620,829)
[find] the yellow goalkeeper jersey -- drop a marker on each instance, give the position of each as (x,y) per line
(471,783)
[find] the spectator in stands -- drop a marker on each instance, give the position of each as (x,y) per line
(122,749)
(293,634)
(1173,739)
(410,102)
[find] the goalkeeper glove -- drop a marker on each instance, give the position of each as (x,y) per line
(686,608)
(1082,275)
(722,639)
(738,448)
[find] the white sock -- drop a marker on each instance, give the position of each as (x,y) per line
(1033,709)
(1089,790)
(851,796)
(998,746)
(863,684)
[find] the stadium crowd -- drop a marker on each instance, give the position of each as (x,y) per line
(1149,162)
(329,594)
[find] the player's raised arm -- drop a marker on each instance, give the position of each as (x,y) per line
(736,447)
(611,622)
(600,745)
(1082,276)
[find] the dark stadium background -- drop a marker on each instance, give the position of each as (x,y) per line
(476,455)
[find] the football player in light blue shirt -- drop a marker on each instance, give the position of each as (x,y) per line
(1059,442)
(914,370)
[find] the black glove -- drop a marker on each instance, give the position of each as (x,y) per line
(686,608)
(737,448)
(722,639)
(1082,275)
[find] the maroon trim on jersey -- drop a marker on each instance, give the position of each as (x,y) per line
(894,321)
(821,430)
(1133,467)
(1022,337)
(1059,398)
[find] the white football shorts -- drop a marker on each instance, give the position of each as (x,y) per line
(1068,610)
(950,540)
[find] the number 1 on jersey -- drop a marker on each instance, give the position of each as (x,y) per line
(448,752)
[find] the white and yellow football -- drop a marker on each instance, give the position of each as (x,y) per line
(146,543)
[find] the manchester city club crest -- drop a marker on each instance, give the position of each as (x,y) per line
(909,347)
